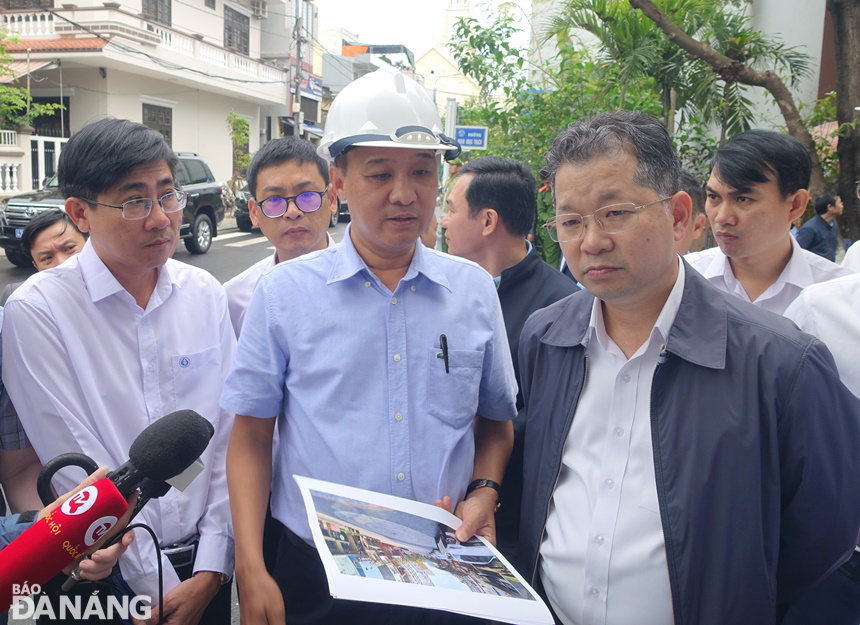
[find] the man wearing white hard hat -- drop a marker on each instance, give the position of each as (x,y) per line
(384,364)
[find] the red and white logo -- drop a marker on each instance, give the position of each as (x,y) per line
(98,529)
(80,502)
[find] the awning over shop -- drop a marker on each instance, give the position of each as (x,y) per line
(19,68)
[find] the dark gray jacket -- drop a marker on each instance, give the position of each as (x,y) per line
(755,451)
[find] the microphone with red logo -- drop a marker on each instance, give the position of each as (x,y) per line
(162,451)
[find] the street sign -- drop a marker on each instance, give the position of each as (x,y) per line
(472,137)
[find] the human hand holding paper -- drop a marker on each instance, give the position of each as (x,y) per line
(477,512)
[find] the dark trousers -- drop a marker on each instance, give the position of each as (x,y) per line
(835,600)
(301,577)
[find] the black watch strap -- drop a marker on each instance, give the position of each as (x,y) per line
(485,483)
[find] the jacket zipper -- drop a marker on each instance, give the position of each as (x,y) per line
(558,471)
(661,494)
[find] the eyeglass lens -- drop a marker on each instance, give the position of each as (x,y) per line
(139,208)
(307,202)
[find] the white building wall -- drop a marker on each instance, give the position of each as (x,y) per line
(799,23)
(199,117)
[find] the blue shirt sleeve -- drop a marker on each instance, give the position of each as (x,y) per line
(10,529)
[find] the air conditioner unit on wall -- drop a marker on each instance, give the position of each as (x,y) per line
(259,9)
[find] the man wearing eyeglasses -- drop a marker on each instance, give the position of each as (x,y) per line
(676,467)
(120,335)
(292,204)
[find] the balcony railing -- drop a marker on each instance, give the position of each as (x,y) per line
(123,24)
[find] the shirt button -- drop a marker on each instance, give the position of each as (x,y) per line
(600,540)
(619,431)
(401,476)
(396,357)
(367,283)
(626,378)
(610,483)
(412,288)
(394,301)
(595,592)
(398,416)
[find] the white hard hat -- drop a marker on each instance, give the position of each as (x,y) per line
(384,109)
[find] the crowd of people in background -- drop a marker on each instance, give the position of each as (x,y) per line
(649,434)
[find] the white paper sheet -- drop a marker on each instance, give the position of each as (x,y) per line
(385,549)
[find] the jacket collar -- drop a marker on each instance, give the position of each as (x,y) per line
(698,335)
(522,271)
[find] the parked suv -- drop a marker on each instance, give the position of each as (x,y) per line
(205,209)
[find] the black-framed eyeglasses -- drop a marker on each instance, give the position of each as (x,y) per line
(139,208)
(307,202)
(857,188)
(612,219)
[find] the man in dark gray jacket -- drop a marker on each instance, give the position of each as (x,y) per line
(678,468)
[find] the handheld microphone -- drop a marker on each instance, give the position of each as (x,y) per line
(163,450)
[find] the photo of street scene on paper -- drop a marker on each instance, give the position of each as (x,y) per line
(372,541)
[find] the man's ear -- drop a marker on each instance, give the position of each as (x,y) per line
(253,209)
(489,221)
(78,210)
(337,182)
(799,203)
(680,207)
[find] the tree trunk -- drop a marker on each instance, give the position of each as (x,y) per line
(731,70)
(846,27)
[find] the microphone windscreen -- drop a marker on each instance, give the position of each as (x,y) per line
(167,447)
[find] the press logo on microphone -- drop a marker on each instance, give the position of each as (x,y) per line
(80,502)
(29,604)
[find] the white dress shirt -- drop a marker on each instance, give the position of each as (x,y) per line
(88,370)
(603,557)
(851,260)
(831,312)
(241,288)
(803,269)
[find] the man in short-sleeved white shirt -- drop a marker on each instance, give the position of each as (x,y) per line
(758,186)
(292,204)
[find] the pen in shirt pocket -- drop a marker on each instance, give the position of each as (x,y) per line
(443,343)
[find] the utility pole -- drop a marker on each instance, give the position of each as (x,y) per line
(297,106)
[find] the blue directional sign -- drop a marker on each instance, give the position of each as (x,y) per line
(472,137)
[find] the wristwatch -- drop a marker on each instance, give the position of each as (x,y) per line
(485,483)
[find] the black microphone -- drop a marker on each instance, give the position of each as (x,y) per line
(163,450)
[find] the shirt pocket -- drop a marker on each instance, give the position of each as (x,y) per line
(453,396)
(197,381)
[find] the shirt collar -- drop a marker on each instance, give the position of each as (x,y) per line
(101,283)
(662,326)
(348,262)
(797,271)
(498,279)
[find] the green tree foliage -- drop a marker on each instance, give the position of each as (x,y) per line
(239,134)
(16,106)
(523,120)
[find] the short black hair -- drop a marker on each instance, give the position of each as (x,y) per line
(824,201)
(100,154)
(607,134)
(282,150)
(747,159)
(505,185)
(43,221)
(695,188)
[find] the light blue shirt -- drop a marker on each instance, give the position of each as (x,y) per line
(354,372)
